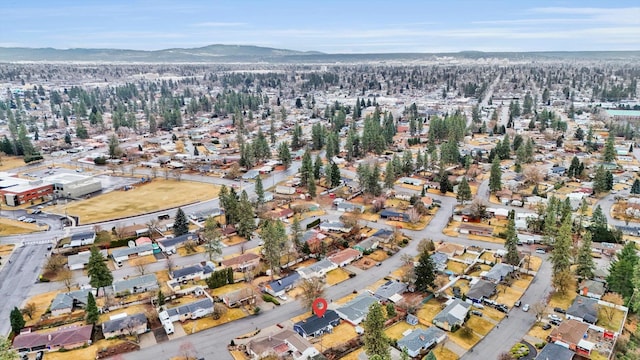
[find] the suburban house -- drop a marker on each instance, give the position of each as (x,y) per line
(420,340)
(282,344)
(315,326)
(411,181)
(481,289)
(583,309)
(475,229)
(555,352)
(453,315)
(83,238)
(80,260)
(592,289)
(572,334)
(391,291)
(385,235)
(65,303)
(498,272)
(393,215)
(239,297)
(345,257)
(335,226)
(439,261)
(140,284)
(124,254)
(450,249)
(170,245)
(498,213)
(319,269)
(71,337)
(193,310)
(346,206)
(368,244)
(281,286)
(124,324)
(193,272)
(356,310)
(244,262)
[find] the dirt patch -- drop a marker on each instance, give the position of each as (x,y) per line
(121,348)
(365,263)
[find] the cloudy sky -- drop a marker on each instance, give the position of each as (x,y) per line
(333,26)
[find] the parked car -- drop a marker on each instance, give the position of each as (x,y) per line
(546,326)
(39,355)
(555,322)
(502,308)
(36,212)
(456,292)
(21,218)
(525,308)
(518,303)
(476,313)
(554,317)
(541,251)
(560,310)
(477,305)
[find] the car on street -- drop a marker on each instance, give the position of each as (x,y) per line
(525,308)
(518,303)
(541,251)
(21,218)
(560,310)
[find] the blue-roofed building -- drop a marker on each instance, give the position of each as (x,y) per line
(421,339)
(169,245)
(197,272)
(393,215)
(315,326)
(190,311)
(281,286)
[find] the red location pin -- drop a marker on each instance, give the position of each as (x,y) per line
(319,307)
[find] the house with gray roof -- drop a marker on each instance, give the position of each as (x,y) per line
(125,325)
(190,311)
(135,285)
(83,238)
(169,245)
(498,272)
(80,260)
(391,291)
(319,269)
(439,261)
(553,351)
(314,326)
(337,226)
(482,289)
(197,271)
(583,309)
(65,303)
(453,315)
(123,254)
(591,288)
(357,309)
(421,339)
(346,206)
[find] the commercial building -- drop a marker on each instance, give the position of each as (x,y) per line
(73,185)
(16,191)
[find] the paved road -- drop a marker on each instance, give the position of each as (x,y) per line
(17,278)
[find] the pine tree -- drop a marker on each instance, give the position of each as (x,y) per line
(246,224)
(296,233)
(464,191)
(584,261)
(284,154)
(621,271)
(16,320)
(635,188)
(561,255)
(511,243)
(306,168)
(274,235)
(375,340)
(317,166)
(181,223)
(389,175)
(91,310)
(311,186)
(97,270)
(67,138)
(609,154)
(495,177)
(424,271)
(335,175)
(259,190)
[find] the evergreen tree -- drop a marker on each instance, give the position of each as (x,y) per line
(181,223)
(296,232)
(259,190)
(584,261)
(67,138)
(284,154)
(621,271)
(495,177)
(635,188)
(317,166)
(97,270)
(424,272)
(375,340)
(335,175)
(246,224)
(210,235)
(91,310)
(306,168)
(609,154)
(17,321)
(464,191)
(511,243)
(274,235)
(561,254)
(598,218)
(296,138)
(389,175)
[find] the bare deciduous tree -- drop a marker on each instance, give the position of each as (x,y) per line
(311,289)
(177,174)
(141,268)
(29,309)
(414,215)
(67,278)
(55,263)
(533,174)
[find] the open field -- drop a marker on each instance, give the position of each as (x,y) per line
(11,162)
(154,196)
(193,326)
(14,227)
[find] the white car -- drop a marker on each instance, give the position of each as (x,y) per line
(525,308)
(283,297)
(554,317)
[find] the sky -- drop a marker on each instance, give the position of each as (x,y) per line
(331,26)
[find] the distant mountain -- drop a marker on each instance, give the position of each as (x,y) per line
(211,53)
(247,53)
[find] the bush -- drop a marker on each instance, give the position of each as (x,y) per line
(540,345)
(271,299)
(100,160)
(256,310)
(519,350)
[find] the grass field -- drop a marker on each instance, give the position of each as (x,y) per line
(456,267)
(616,320)
(507,295)
(340,335)
(226,289)
(208,322)
(395,331)
(442,353)
(42,302)
(480,325)
(464,342)
(155,196)
(88,352)
(537,332)
(564,301)
(142,260)
(378,255)
(337,276)
(428,311)
(11,162)
(15,227)
(6,250)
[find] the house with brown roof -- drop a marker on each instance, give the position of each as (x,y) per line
(345,257)
(450,249)
(68,338)
(475,229)
(242,262)
(282,344)
(243,296)
(572,334)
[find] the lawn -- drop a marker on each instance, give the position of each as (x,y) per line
(194,326)
(337,276)
(492,313)
(42,302)
(428,311)
(11,162)
(534,263)
(233,240)
(483,267)
(616,320)
(6,249)
(340,335)
(355,354)
(378,255)
(522,283)
(464,342)
(507,295)
(491,239)
(182,251)
(129,310)
(396,330)
(456,267)
(163,277)
(14,227)
(537,332)
(480,325)
(466,256)
(564,301)
(442,353)
(154,196)
(89,352)
(142,260)
(226,289)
